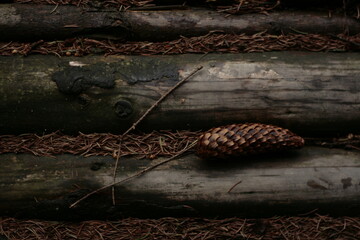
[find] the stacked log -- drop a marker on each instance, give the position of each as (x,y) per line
(312,94)
(311,179)
(67,21)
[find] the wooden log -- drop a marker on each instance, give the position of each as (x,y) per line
(313,94)
(289,183)
(69,21)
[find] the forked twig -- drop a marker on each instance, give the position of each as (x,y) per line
(138,174)
(142,117)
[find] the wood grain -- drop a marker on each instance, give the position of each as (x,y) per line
(289,183)
(69,21)
(312,94)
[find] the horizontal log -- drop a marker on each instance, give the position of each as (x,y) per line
(289,183)
(312,94)
(51,22)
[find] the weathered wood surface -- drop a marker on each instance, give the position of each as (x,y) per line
(312,94)
(289,183)
(29,22)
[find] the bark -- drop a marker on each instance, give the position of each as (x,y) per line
(31,22)
(289,183)
(313,94)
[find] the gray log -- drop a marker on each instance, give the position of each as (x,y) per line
(313,94)
(30,22)
(289,183)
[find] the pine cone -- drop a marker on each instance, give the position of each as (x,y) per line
(245,139)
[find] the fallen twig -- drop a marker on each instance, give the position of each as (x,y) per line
(115,170)
(138,174)
(162,98)
(234,186)
(143,116)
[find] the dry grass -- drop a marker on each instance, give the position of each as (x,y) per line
(149,145)
(316,227)
(144,145)
(231,6)
(210,43)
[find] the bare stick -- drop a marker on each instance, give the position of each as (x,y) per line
(234,186)
(143,116)
(115,169)
(162,98)
(138,174)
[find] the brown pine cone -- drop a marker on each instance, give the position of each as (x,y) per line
(245,139)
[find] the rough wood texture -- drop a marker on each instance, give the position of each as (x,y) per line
(50,22)
(308,93)
(290,183)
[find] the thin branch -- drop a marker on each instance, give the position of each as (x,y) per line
(138,174)
(162,98)
(143,116)
(115,169)
(234,186)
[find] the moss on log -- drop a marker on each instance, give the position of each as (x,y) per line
(31,22)
(309,93)
(288,183)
